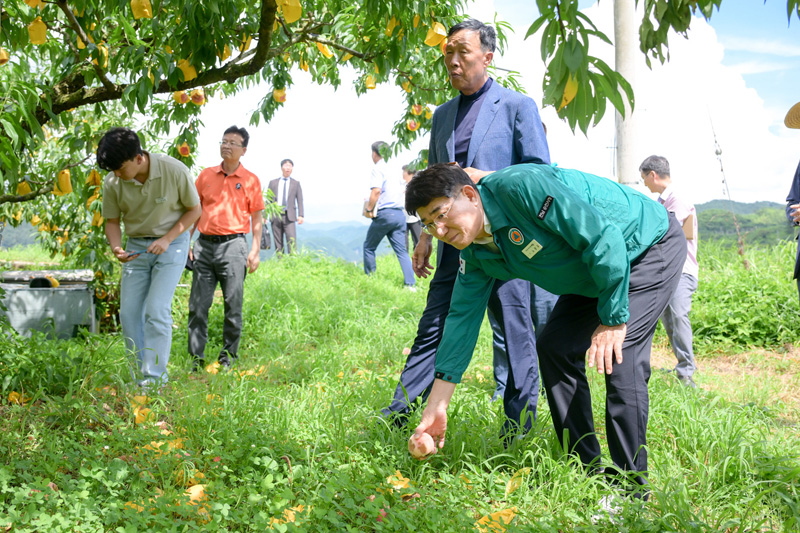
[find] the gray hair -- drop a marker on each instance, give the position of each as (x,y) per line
(377,146)
(655,163)
(487,34)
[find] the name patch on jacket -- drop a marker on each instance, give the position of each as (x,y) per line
(545,206)
(532,249)
(462,265)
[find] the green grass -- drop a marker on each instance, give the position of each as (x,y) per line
(26,253)
(303,431)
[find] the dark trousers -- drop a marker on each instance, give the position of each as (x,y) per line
(224,263)
(282,227)
(562,356)
(509,305)
(413,230)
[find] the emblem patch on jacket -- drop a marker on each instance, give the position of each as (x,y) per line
(532,249)
(515,236)
(545,206)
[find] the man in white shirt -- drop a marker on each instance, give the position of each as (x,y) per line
(385,208)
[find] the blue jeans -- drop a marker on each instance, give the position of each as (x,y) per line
(675,319)
(390,223)
(145,310)
(542,303)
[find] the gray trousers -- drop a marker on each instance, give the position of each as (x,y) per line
(224,263)
(562,348)
(283,228)
(679,329)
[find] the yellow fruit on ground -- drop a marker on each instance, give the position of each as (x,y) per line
(196,493)
(23,188)
(64,184)
(142,415)
(570,90)
(141,9)
(3,56)
(37,31)
(436,34)
(53,281)
(136,507)
(189,72)
(279,95)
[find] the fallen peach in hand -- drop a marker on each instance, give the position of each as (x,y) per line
(422,447)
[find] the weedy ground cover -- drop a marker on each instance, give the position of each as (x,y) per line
(290,440)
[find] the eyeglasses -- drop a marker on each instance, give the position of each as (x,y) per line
(438,222)
(230,143)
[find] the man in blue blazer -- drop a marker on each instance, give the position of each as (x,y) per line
(486,127)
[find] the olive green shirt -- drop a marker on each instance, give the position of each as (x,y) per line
(150,209)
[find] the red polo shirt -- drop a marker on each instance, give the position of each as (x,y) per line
(227,201)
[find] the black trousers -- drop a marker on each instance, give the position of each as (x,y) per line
(562,348)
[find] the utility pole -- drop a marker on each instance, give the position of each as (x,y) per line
(625,53)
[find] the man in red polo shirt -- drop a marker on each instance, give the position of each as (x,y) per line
(232,204)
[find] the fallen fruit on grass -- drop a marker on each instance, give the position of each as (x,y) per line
(142,415)
(422,447)
(196,493)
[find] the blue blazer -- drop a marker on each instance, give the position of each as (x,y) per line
(508,131)
(793,198)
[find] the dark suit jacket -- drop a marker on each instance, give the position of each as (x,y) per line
(794,198)
(508,131)
(294,198)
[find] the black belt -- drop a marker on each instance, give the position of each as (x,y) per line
(219,238)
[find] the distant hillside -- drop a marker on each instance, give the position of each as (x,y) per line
(22,235)
(759,222)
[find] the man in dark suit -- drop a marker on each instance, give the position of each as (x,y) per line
(487,127)
(289,195)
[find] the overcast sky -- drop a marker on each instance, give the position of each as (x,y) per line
(740,74)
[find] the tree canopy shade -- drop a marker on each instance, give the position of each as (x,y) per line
(578,84)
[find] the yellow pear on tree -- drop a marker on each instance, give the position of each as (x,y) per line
(63,184)
(279,95)
(23,188)
(3,56)
(570,90)
(323,49)
(37,31)
(35,3)
(292,10)
(97,219)
(370,82)
(436,34)
(141,9)
(189,72)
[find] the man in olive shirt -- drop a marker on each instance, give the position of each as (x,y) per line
(154,197)
(614,256)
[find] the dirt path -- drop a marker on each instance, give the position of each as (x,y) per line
(768,379)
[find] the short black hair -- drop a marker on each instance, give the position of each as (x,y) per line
(487,34)
(241,132)
(377,146)
(117,146)
(655,163)
(287,161)
(441,180)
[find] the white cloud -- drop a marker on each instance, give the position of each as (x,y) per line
(758,46)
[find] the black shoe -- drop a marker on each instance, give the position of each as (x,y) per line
(198,365)
(226,360)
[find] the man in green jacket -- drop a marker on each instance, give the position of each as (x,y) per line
(612,254)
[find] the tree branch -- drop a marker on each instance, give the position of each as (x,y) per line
(76,27)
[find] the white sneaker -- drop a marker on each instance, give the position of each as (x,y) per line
(410,288)
(610,509)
